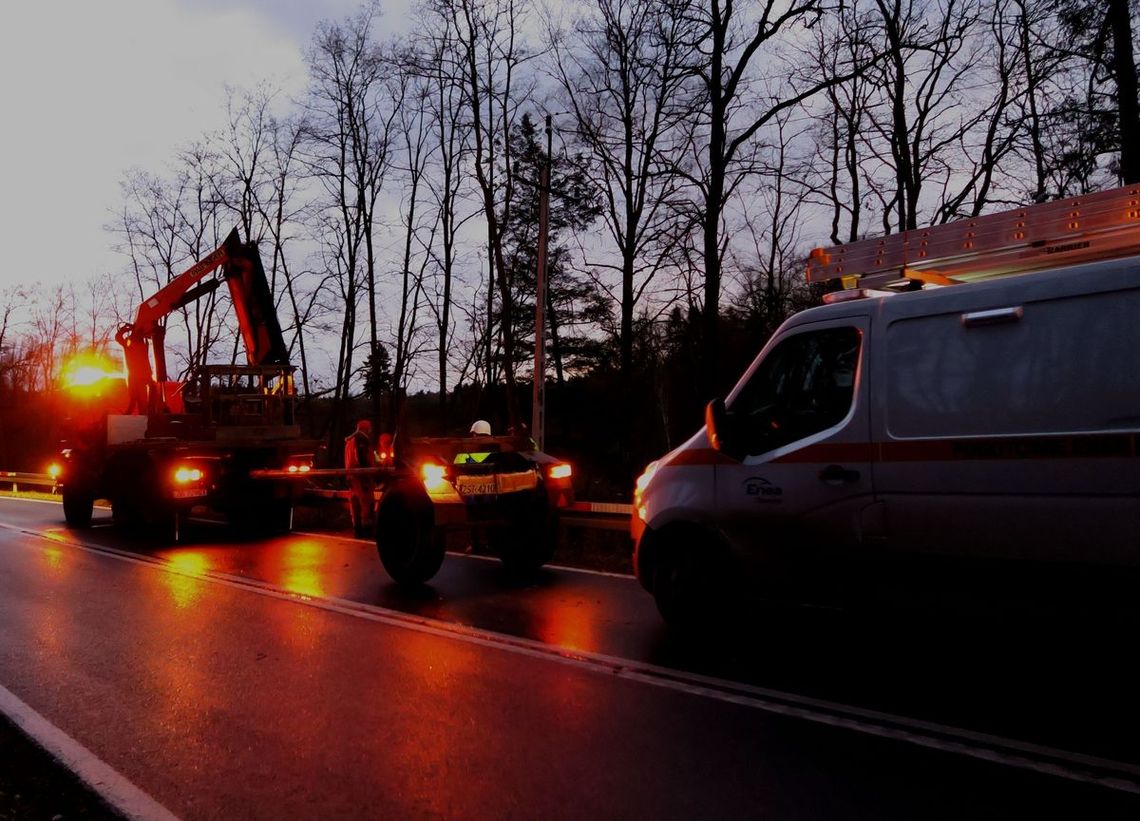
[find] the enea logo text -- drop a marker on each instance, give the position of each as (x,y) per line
(762,490)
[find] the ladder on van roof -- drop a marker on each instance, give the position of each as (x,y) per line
(1090,228)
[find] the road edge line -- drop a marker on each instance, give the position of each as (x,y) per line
(99,776)
(1013,753)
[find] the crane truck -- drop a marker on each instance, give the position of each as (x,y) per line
(201,442)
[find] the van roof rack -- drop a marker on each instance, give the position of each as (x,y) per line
(1090,228)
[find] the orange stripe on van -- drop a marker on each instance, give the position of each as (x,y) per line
(700,456)
(1089,446)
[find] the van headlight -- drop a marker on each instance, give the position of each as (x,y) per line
(639,489)
(644,478)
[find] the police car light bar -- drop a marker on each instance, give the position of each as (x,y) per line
(1095,227)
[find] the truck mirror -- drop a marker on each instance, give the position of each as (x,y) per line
(716,424)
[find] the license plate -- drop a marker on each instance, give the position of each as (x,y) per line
(189,492)
(476,487)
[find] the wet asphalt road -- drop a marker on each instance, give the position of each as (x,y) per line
(289,677)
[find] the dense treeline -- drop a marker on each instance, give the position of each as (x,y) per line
(697,151)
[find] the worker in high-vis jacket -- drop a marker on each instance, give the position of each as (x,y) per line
(358,453)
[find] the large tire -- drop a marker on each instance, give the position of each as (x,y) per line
(78,505)
(139,510)
(688,584)
(410,549)
(527,546)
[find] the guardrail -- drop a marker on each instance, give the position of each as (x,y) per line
(16,479)
(599,515)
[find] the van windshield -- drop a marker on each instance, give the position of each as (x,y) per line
(804,385)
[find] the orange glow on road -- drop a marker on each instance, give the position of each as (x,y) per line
(301,566)
(190,563)
(54,558)
(184,583)
(569,625)
(304,582)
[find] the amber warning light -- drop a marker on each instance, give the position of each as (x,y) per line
(88,372)
(434,475)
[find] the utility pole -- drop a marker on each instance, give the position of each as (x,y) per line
(538,411)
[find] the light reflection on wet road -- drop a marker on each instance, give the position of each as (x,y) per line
(1006,677)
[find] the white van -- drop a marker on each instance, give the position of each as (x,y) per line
(995,419)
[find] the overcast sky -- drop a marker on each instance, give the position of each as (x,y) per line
(92,88)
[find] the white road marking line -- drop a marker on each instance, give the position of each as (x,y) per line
(97,774)
(352,539)
(583,570)
(58,501)
(1078,767)
(29,499)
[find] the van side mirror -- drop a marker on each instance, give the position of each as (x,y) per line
(716,423)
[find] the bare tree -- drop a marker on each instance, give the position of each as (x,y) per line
(165,225)
(737,105)
(281,217)
(13,300)
(1106,111)
(489,54)
(625,73)
(927,59)
(242,150)
(773,275)
(414,128)
(1127,105)
(836,173)
(445,182)
(349,117)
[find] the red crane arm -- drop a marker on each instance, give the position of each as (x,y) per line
(171,296)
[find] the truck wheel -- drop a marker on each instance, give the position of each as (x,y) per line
(78,504)
(410,549)
(525,548)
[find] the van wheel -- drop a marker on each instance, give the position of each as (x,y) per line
(687,585)
(410,549)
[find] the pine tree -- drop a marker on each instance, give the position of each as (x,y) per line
(574,303)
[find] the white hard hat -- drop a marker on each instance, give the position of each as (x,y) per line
(481,428)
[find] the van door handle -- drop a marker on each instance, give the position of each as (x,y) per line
(976,319)
(838,475)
